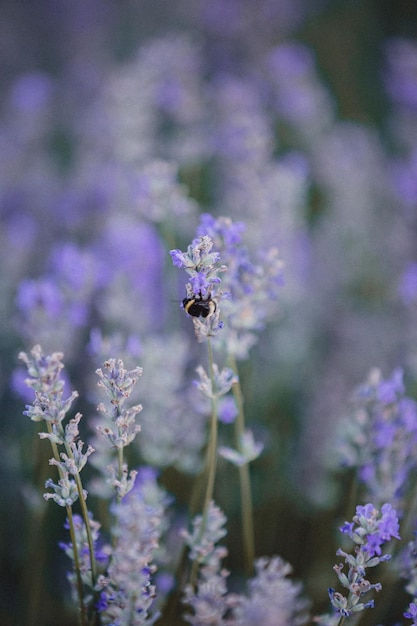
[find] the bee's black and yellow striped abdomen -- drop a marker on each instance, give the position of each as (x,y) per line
(199,306)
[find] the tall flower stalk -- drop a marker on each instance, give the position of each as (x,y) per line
(46,381)
(120,428)
(369,530)
(253,289)
(202,303)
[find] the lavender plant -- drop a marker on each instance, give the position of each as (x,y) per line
(253,289)
(369,530)
(49,407)
(202,265)
(272,599)
(380,439)
(137,118)
(125,589)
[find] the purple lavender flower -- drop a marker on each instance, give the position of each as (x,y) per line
(300,98)
(273,599)
(227,409)
(253,286)
(208,599)
(219,385)
(202,265)
(380,438)
(412,612)
(48,385)
(369,530)
(409,573)
(101,553)
(58,303)
(248,451)
(119,425)
(159,197)
(127,592)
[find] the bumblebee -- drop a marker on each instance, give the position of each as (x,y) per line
(197,306)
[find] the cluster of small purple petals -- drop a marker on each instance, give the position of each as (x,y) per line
(412,612)
(227,409)
(369,530)
(117,381)
(126,591)
(118,384)
(209,600)
(44,371)
(58,302)
(101,552)
(300,98)
(249,450)
(253,288)
(409,573)
(225,233)
(64,492)
(346,608)
(380,438)
(219,385)
(176,442)
(158,195)
(201,264)
(370,524)
(208,326)
(121,482)
(48,406)
(207,531)
(273,599)
(126,428)
(75,463)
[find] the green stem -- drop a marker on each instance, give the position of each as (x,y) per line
(120,467)
(86,518)
(244,478)
(84,510)
(77,567)
(70,518)
(211,458)
(212,445)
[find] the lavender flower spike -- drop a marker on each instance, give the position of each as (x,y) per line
(369,530)
(201,264)
(202,301)
(48,385)
(412,612)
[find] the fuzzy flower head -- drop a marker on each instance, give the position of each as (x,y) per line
(369,530)
(380,437)
(202,301)
(253,287)
(208,599)
(273,599)
(412,612)
(46,380)
(126,591)
(201,264)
